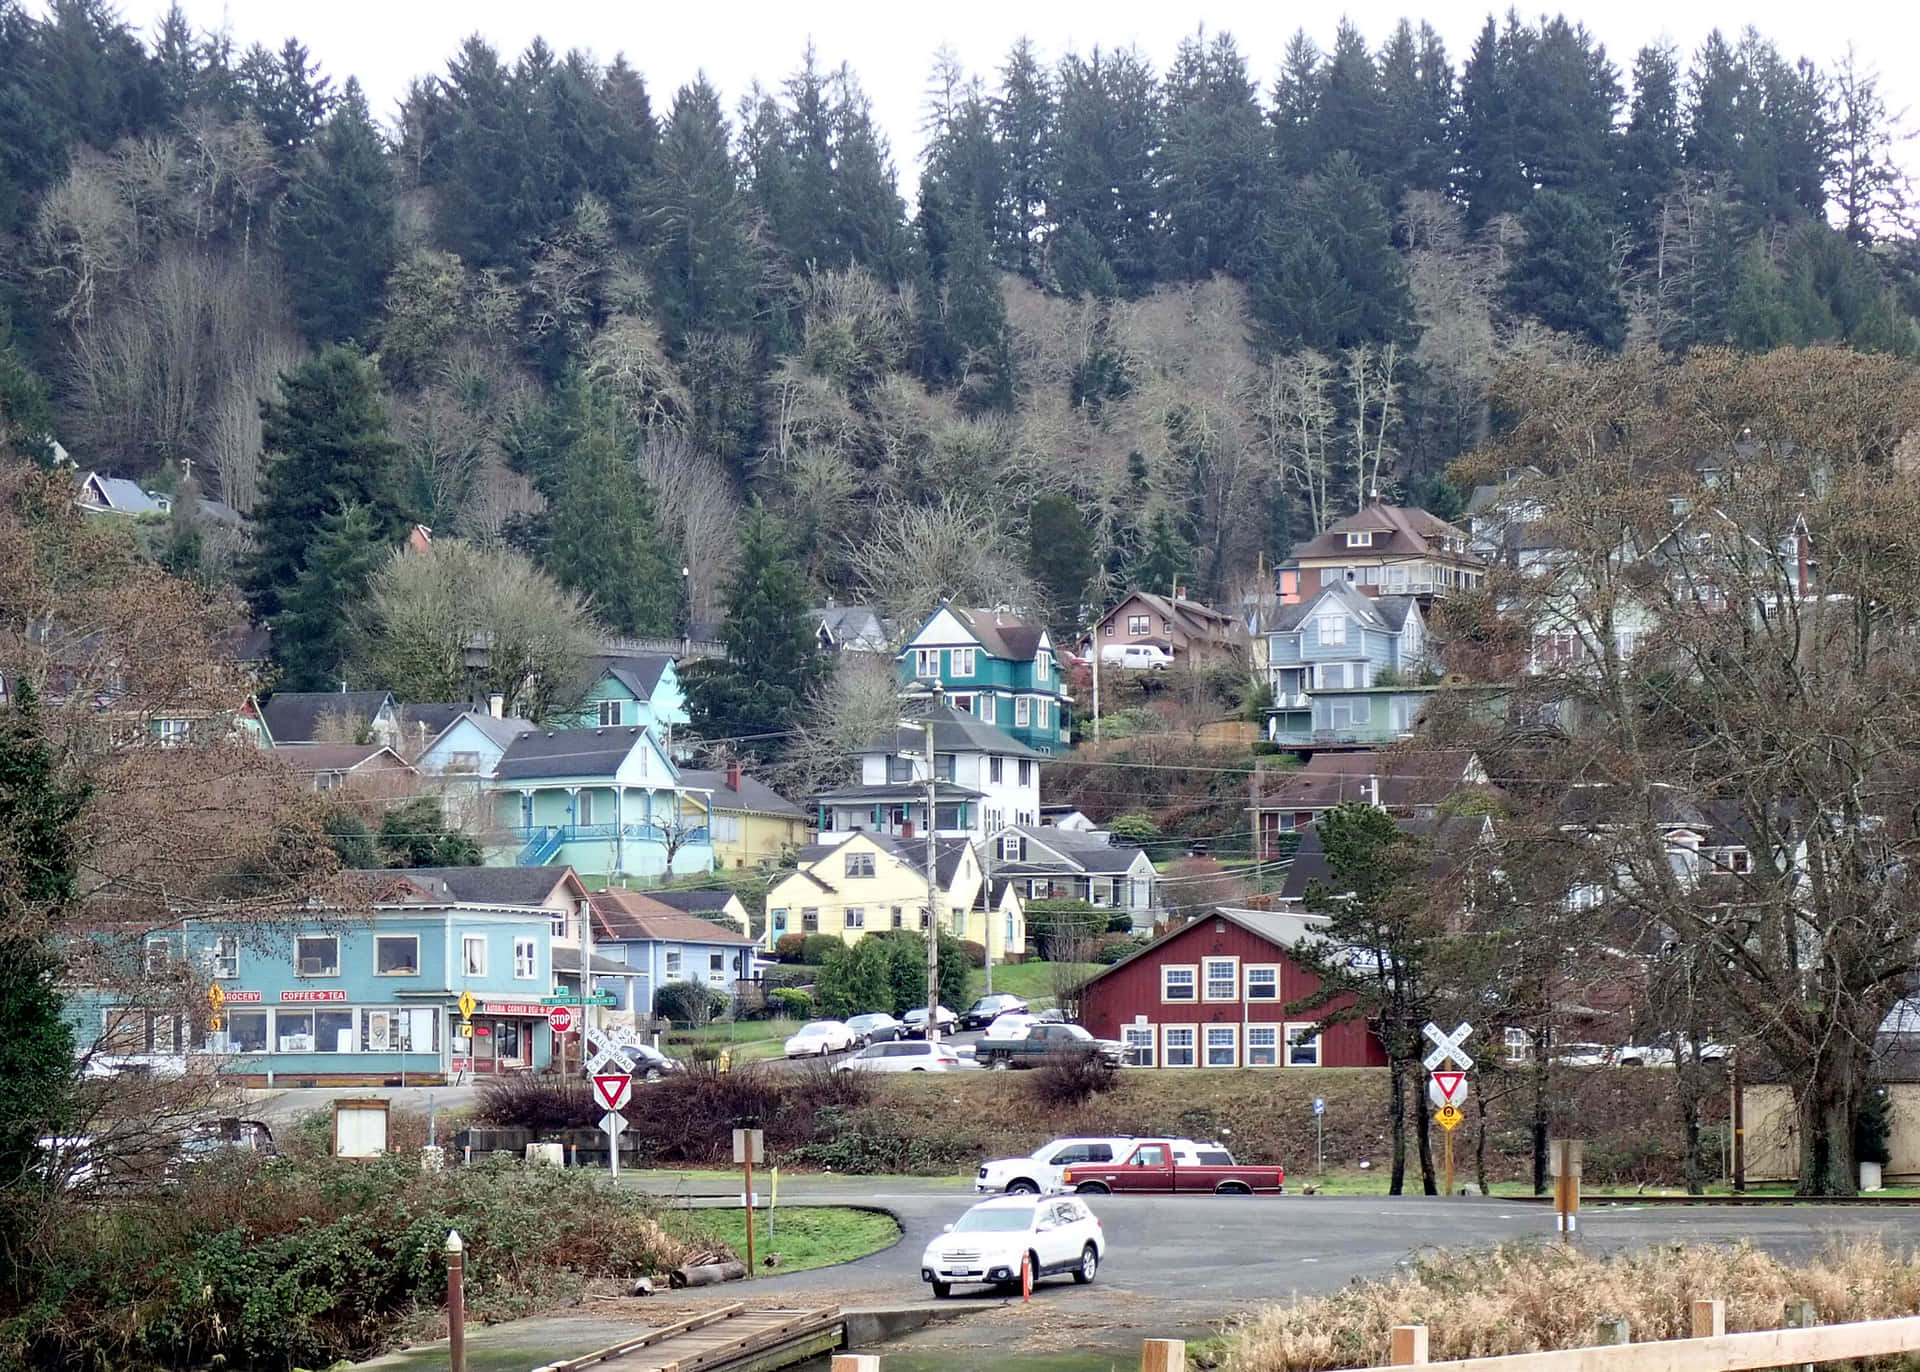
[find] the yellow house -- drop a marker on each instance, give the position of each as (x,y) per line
(749,822)
(863,882)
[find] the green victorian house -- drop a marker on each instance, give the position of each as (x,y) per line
(997,666)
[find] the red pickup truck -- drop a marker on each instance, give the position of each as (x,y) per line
(1152,1167)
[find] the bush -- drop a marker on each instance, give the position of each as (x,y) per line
(1067,1079)
(792,1002)
(1119,922)
(1110,948)
(796,974)
(976,954)
(790,947)
(690,1116)
(530,1103)
(1134,829)
(689,1002)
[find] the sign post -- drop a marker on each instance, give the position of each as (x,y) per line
(1564,1162)
(1319,1133)
(749,1147)
(1446,1088)
(612,1091)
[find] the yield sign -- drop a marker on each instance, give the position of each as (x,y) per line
(1448,1088)
(612,1091)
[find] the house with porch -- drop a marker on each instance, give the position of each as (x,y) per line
(752,824)
(856,884)
(985,778)
(1345,668)
(606,802)
(999,667)
(658,946)
(1384,550)
(1044,862)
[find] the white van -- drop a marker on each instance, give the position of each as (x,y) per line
(1136,657)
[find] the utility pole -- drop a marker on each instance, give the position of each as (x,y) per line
(933,883)
(1096,682)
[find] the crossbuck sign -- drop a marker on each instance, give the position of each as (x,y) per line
(610,1048)
(1447,1047)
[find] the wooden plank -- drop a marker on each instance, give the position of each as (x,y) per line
(1163,1355)
(1721,1353)
(1709,1319)
(802,1323)
(744,1336)
(663,1333)
(1409,1345)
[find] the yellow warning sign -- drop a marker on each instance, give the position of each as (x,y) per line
(216,998)
(466,1005)
(1448,1117)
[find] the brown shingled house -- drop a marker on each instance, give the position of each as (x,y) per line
(1193,633)
(1384,550)
(1408,785)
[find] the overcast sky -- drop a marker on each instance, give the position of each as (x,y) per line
(891,45)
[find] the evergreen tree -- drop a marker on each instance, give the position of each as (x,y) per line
(314,637)
(974,318)
(1166,558)
(964,173)
(39,812)
(1023,116)
(1491,179)
(632,142)
(478,161)
(1297,126)
(416,835)
(1870,191)
(1650,152)
(1563,275)
(1416,96)
(1713,90)
(701,251)
(287,94)
(351,839)
(1060,555)
(26,419)
(1213,165)
(1567,101)
(1332,278)
(1106,134)
(773,659)
(327,435)
(1077,266)
(338,236)
(1350,116)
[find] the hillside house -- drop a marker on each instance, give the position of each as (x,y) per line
(1346,668)
(751,823)
(851,629)
(999,667)
(370,768)
(1384,550)
(1410,784)
(660,946)
(1043,862)
(635,688)
(331,717)
(985,779)
(1194,634)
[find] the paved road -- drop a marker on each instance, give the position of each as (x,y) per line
(1196,1259)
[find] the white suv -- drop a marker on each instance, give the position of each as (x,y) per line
(1040,1170)
(994,1240)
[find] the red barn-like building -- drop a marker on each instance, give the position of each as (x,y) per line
(1214,993)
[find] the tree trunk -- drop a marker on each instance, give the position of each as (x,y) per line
(1542,1053)
(1397,1110)
(1828,1104)
(1423,1135)
(1480,1145)
(1687,1075)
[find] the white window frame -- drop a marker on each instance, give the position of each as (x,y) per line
(1270,1050)
(611,712)
(1516,1046)
(1360,538)
(962,661)
(1263,967)
(1022,712)
(379,939)
(1330,631)
(226,957)
(1311,1038)
(996,770)
(1138,625)
(1023,771)
(466,764)
(854,917)
(986,707)
(1139,1044)
(926,663)
(673,962)
(526,959)
(583,807)
(469,965)
(1191,1048)
(1232,979)
(858,866)
(1192,969)
(299,939)
(1209,1042)
(156,955)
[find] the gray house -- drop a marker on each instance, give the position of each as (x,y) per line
(1345,668)
(1042,862)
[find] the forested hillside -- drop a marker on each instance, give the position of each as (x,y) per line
(1135,323)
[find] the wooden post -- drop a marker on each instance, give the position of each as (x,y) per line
(855,1362)
(747,1166)
(456,1302)
(1709,1319)
(1159,1355)
(1610,1329)
(1409,1345)
(1800,1315)
(1739,1127)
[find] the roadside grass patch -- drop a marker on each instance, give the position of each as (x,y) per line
(1526,1298)
(1032,980)
(804,1236)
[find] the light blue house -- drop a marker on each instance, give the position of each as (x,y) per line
(469,743)
(606,802)
(346,996)
(661,946)
(638,688)
(1346,668)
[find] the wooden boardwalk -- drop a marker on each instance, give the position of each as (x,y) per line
(730,1339)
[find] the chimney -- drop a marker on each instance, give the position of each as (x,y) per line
(497,705)
(733,776)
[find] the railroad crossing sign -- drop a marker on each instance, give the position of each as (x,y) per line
(1449,1118)
(610,1048)
(613,1089)
(1447,1088)
(466,1005)
(1447,1047)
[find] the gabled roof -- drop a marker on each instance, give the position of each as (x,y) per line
(752,795)
(1398,531)
(1002,633)
(1081,852)
(636,916)
(1424,777)
(293,716)
(569,752)
(954,731)
(425,723)
(118,494)
(1387,613)
(1450,837)
(1283,929)
(913,851)
(310,759)
(1198,620)
(638,672)
(852,624)
(693,902)
(529,886)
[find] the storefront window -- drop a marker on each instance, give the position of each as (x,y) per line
(247,1031)
(333,1031)
(293,1030)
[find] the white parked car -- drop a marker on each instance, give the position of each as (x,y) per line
(1051,1234)
(904,1056)
(1013,1025)
(1583,1055)
(820,1038)
(1041,1169)
(1137,657)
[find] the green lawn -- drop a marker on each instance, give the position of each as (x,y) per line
(1031,981)
(803,1237)
(751,1040)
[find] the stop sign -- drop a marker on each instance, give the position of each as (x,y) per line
(561,1020)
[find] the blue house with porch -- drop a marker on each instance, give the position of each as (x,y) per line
(1346,669)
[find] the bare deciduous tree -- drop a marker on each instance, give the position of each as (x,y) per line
(919,555)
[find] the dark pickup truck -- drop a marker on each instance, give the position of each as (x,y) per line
(1153,1165)
(1043,1041)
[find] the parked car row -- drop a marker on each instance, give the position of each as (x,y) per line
(1043,1169)
(823,1037)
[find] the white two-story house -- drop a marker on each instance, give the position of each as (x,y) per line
(984,780)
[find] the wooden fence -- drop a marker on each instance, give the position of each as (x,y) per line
(1710,1349)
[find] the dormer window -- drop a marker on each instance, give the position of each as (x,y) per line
(1361,538)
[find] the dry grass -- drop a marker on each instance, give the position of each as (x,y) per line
(1528,1298)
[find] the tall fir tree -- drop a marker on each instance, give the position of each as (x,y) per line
(702,253)
(1490,177)
(1350,116)
(1214,165)
(327,436)
(39,816)
(337,232)
(1106,135)
(1567,101)
(1023,123)
(1332,278)
(478,162)
(1416,97)
(315,644)
(1060,555)
(1563,275)
(1650,151)
(1295,113)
